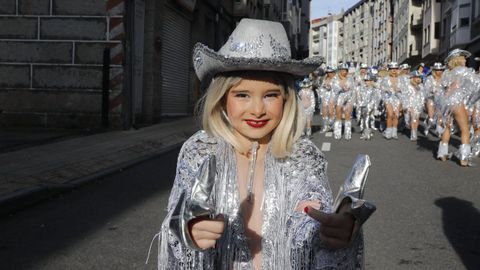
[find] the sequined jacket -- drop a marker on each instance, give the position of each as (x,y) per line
(289,238)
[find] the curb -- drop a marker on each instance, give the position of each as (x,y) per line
(26,197)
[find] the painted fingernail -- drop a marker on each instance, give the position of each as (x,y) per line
(305,209)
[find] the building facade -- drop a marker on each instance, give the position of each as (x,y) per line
(70,63)
(358,26)
(325,39)
(62,63)
(382,33)
(431,31)
(458,18)
(407,31)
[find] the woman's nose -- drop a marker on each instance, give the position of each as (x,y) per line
(258,107)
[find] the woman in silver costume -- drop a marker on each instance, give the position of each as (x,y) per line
(327,97)
(307,98)
(343,87)
(359,83)
(367,101)
(433,86)
(413,103)
(269,185)
(391,91)
(461,91)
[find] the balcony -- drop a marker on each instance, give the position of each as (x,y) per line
(416,21)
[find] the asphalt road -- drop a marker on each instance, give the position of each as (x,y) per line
(427,216)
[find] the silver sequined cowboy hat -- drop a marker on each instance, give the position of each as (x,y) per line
(415,74)
(343,66)
(305,83)
(253,45)
(393,65)
(438,66)
(457,52)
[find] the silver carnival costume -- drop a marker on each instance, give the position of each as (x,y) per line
(206,182)
(344,98)
(461,87)
(392,95)
(432,88)
(307,99)
(289,238)
(367,100)
(413,104)
(327,97)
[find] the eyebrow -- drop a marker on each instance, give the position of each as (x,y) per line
(247,91)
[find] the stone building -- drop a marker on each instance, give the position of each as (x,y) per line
(358,25)
(116,63)
(407,31)
(382,33)
(326,39)
(52,65)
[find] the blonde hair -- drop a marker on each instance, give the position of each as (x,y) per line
(216,123)
(455,62)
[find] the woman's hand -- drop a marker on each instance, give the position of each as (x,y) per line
(205,231)
(337,228)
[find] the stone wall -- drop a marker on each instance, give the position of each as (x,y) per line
(51,62)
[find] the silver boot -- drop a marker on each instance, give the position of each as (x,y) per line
(337,130)
(325,125)
(332,123)
(442,152)
(394,133)
(463,154)
(387,133)
(413,135)
(348,130)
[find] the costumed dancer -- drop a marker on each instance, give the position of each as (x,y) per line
(359,82)
(327,97)
(343,86)
(433,85)
(391,91)
(367,101)
(413,103)
(249,193)
(404,74)
(460,91)
(307,98)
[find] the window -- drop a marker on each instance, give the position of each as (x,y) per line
(437,30)
(464,22)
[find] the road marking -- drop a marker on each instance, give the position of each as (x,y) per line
(326,147)
(329,134)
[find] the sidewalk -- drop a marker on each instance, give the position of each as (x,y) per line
(34,173)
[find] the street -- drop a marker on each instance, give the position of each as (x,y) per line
(427,212)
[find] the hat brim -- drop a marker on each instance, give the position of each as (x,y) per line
(207,63)
(463,53)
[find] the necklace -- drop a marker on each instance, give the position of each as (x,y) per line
(251,171)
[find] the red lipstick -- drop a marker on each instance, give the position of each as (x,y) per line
(256,123)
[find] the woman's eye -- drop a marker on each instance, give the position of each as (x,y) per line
(272,95)
(241,95)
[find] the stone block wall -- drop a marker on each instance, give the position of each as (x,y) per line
(51,62)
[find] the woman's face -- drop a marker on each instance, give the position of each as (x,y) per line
(255,108)
(393,72)
(330,75)
(438,73)
(343,72)
(416,80)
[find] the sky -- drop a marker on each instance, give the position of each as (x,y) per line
(320,8)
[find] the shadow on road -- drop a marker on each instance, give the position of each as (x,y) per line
(47,231)
(461,225)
